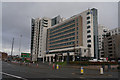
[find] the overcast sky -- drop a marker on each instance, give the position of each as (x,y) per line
(16,18)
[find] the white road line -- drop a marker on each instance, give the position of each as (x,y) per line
(13,76)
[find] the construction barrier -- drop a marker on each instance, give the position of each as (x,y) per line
(29,64)
(37,65)
(82,72)
(101,71)
(53,66)
(49,63)
(57,67)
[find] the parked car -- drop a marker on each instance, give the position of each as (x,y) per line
(93,60)
(112,60)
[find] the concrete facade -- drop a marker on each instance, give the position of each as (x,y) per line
(102,31)
(38,37)
(112,44)
(45,23)
(78,31)
(35,31)
(77,35)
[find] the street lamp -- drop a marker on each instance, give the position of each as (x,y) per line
(20,44)
(12,47)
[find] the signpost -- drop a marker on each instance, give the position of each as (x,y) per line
(25,55)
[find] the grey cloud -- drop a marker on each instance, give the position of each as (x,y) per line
(16,18)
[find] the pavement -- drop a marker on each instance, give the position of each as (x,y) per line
(44,71)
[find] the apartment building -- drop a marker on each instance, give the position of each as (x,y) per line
(35,31)
(38,37)
(102,31)
(112,44)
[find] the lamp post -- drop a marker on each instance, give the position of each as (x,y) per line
(43,58)
(20,44)
(12,47)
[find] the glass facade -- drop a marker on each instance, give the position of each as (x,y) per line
(62,36)
(65,35)
(59,27)
(63,44)
(63,40)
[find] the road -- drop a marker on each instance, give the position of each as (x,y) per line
(14,71)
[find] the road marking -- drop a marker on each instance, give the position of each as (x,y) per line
(13,76)
(82,77)
(109,75)
(73,73)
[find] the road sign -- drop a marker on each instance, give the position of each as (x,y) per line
(25,55)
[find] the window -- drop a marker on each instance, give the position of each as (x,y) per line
(104,30)
(110,55)
(77,19)
(89,45)
(77,33)
(77,24)
(88,27)
(88,17)
(84,50)
(88,22)
(88,13)
(77,37)
(77,28)
(88,36)
(88,31)
(77,42)
(88,41)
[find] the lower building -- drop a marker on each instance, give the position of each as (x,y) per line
(102,31)
(112,46)
(3,55)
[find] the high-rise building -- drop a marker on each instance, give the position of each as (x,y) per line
(35,31)
(90,30)
(102,31)
(38,37)
(77,35)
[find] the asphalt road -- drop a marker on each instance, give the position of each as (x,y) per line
(14,71)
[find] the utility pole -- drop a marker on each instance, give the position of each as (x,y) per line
(74,53)
(20,44)
(12,47)
(43,58)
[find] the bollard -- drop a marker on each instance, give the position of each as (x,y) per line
(49,63)
(57,66)
(101,71)
(103,66)
(82,70)
(37,65)
(29,64)
(26,64)
(53,66)
(109,67)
